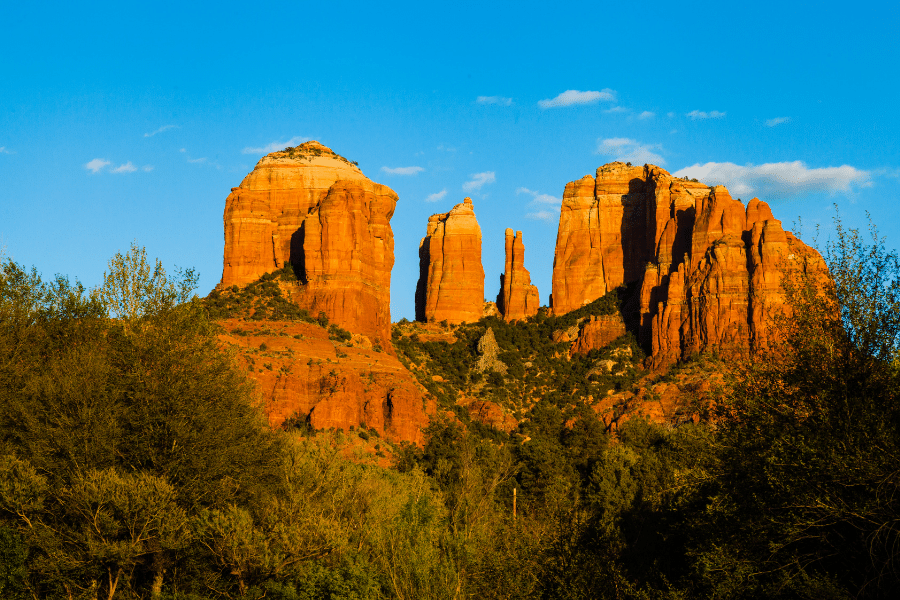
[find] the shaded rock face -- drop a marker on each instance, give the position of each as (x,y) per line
(597,332)
(451,277)
(311,208)
(709,268)
(518,298)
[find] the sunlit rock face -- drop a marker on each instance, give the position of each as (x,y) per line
(451,276)
(311,208)
(709,268)
(518,298)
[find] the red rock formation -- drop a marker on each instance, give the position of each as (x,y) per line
(518,299)
(314,209)
(598,332)
(303,373)
(451,278)
(612,226)
(710,269)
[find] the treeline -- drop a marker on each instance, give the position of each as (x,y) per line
(133,465)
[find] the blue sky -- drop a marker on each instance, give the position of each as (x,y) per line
(121,122)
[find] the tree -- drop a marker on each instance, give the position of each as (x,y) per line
(133,288)
(147,403)
(809,504)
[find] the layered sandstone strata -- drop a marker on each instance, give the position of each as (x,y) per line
(451,277)
(313,209)
(709,268)
(301,374)
(518,298)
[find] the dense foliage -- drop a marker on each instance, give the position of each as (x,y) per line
(134,465)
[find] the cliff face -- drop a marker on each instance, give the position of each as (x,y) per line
(303,374)
(709,268)
(311,208)
(451,277)
(518,298)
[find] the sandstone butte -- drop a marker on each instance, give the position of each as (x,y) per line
(451,277)
(518,298)
(311,208)
(709,268)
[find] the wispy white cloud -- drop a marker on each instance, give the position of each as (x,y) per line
(197,160)
(402,170)
(617,109)
(498,100)
(777,121)
(478,181)
(444,148)
(547,206)
(646,115)
(126,168)
(436,196)
(544,215)
(670,114)
(147,168)
(97,165)
(539,198)
(699,114)
(160,130)
(572,97)
(5,150)
(628,150)
(275,146)
(778,180)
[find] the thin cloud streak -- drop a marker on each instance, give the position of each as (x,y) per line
(779,180)
(777,121)
(275,146)
(126,168)
(160,130)
(700,115)
(97,165)
(573,97)
(539,198)
(547,216)
(436,196)
(5,150)
(628,150)
(402,170)
(498,100)
(478,181)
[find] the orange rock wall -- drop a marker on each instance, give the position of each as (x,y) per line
(451,277)
(348,254)
(597,333)
(312,208)
(303,373)
(709,268)
(518,298)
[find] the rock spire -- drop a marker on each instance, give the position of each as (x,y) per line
(451,277)
(518,298)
